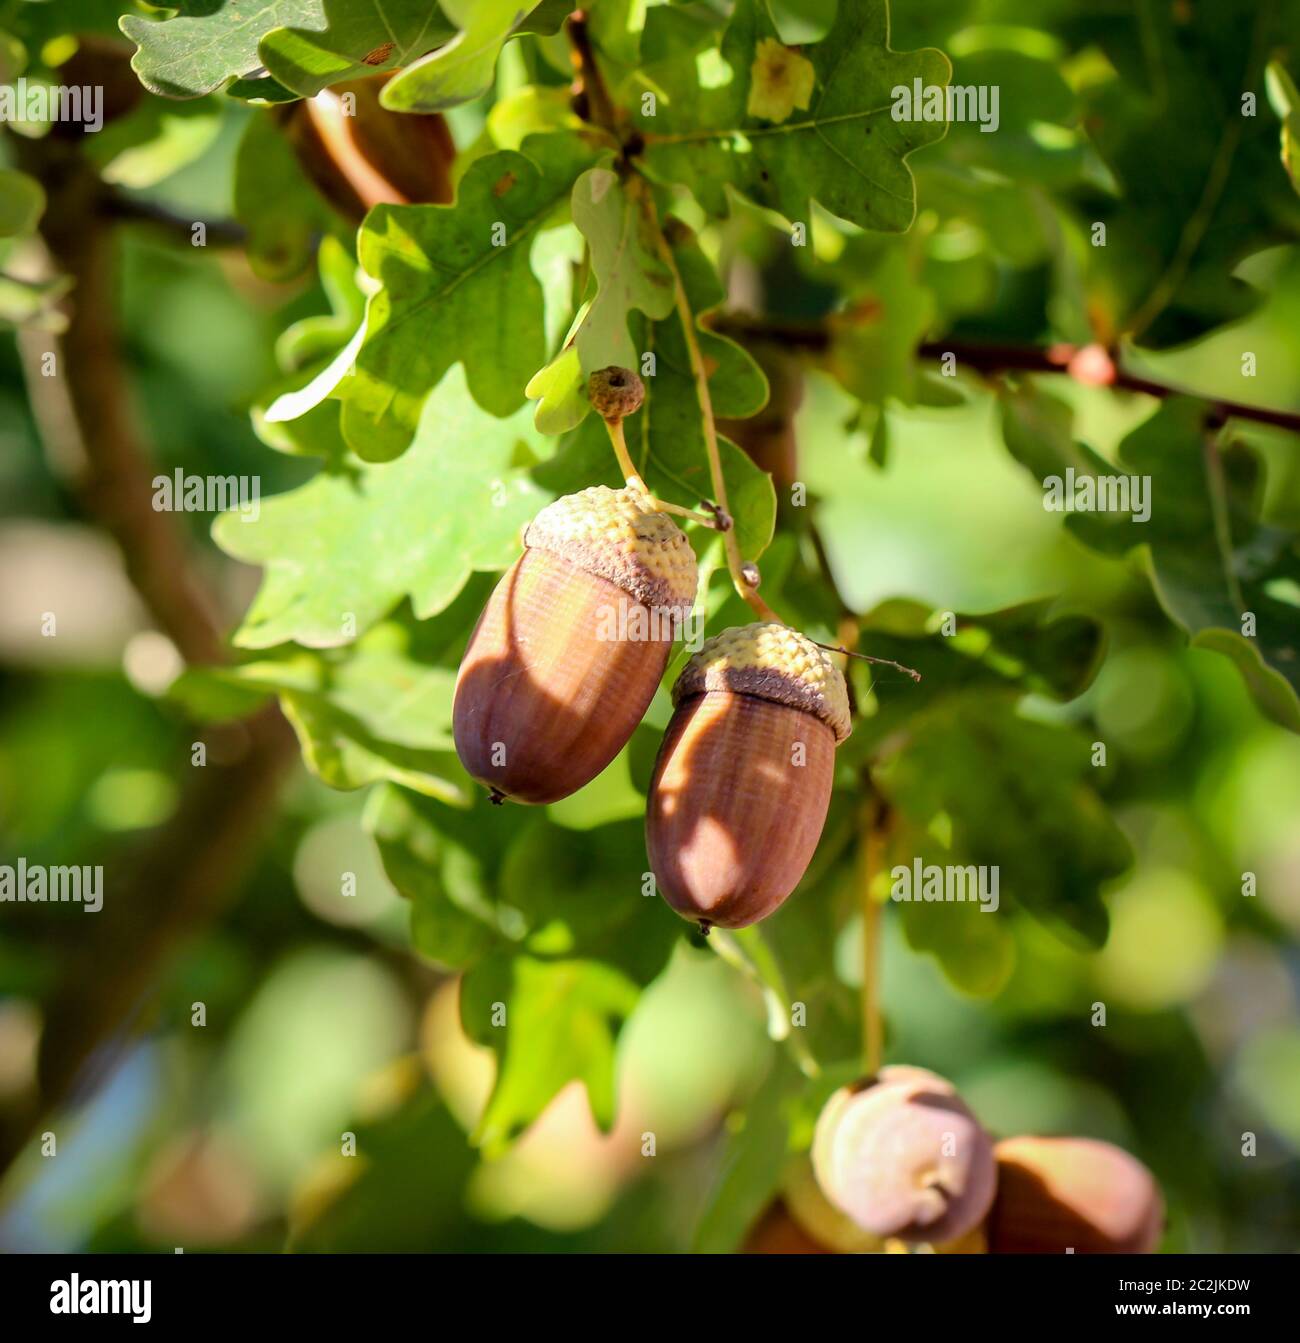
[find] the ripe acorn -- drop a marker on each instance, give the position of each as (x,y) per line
(358,154)
(572,644)
(743,779)
(903,1157)
(1060,1194)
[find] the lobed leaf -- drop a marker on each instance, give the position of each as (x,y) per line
(456,287)
(787,126)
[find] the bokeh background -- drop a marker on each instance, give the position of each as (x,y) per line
(322,1019)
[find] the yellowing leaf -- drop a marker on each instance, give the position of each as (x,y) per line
(779,81)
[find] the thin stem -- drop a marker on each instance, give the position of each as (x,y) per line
(628,467)
(1218,493)
(735,564)
(871,852)
(866,657)
(625,462)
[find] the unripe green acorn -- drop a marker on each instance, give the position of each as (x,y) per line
(903,1157)
(1062,1194)
(743,779)
(572,644)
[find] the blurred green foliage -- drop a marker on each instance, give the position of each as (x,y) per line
(349,1086)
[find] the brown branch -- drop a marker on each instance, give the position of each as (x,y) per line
(599,110)
(155,902)
(166,892)
(84,412)
(993,358)
(219,232)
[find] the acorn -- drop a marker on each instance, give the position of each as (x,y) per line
(358,154)
(1057,1195)
(743,779)
(572,644)
(903,1157)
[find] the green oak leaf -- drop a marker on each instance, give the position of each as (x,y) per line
(480,878)
(1027,649)
(445,861)
(397,1197)
(295,414)
(22,203)
(890,308)
(549,1022)
(628,275)
(1285,98)
(34,303)
(1014,795)
(1212,559)
(370,713)
(976,950)
(616,29)
(464,68)
(341,551)
(457,288)
(665,438)
(1037,429)
(1189,206)
(360,37)
(190,55)
(752,1163)
(280,209)
(533,110)
(155,140)
(303,45)
(787,126)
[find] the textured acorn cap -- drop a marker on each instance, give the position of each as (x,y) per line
(774,662)
(612,533)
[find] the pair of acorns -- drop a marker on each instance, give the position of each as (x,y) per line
(565,660)
(900,1158)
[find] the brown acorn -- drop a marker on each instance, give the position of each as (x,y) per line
(743,779)
(572,644)
(358,154)
(1061,1194)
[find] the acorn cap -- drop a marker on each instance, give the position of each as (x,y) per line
(774,662)
(613,534)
